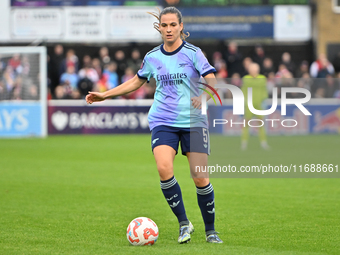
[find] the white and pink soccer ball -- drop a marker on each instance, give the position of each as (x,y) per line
(142,231)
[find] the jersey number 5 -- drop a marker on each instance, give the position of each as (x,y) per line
(205,135)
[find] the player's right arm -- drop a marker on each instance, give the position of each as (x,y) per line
(126,87)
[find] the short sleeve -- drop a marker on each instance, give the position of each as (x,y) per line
(202,65)
(145,71)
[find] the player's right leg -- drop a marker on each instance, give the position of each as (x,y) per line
(245,130)
(165,145)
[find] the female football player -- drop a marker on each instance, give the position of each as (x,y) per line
(175,116)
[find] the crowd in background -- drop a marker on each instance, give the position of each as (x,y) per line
(71,78)
(233,66)
(18,79)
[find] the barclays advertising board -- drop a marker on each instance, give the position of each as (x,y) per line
(22,119)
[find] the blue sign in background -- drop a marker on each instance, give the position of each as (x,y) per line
(20,119)
(231,22)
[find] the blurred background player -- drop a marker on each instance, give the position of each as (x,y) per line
(258,83)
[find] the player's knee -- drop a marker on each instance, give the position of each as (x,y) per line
(201,182)
(165,171)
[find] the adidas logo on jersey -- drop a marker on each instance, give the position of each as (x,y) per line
(183,64)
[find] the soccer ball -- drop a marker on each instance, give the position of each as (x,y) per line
(142,231)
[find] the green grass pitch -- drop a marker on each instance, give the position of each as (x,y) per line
(77,194)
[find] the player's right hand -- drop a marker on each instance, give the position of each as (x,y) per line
(94,97)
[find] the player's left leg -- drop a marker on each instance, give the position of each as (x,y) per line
(165,142)
(262,135)
(197,153)
(205,194)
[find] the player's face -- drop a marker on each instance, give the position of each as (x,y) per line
(170,28)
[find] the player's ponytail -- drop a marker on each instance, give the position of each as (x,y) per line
(167,10)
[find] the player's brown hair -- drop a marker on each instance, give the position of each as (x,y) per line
(167,10)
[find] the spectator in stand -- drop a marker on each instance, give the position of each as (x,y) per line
(3,91)
(87,61)
(104,56)
(137,94)
(60,92)
(8,78)
(245,64)
(217,60)
(87,72)
(259,56)
(234,80)
(17,93)
(70,78)
(337,92)
(233,59)
(304,68)
(129,74)
(111,75)
(330,86)
(25,65)
(320,93)
(304,82)
(222,73)
(70,60)
(283,72)
(121,63)
(15,63)
(87,78)
(321,67)
(97,66)
(55,67)
(268,67)
(32,92)
(135,62)
(283,78)
(287,61)
(270,83)
(336,62)
(64,91)
(2,66)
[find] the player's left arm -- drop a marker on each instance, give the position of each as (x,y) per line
(210,79)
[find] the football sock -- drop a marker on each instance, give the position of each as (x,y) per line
(173,195)
(205,198)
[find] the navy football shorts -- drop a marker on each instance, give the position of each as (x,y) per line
(192,139)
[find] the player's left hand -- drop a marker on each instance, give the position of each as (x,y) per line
(197,102)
